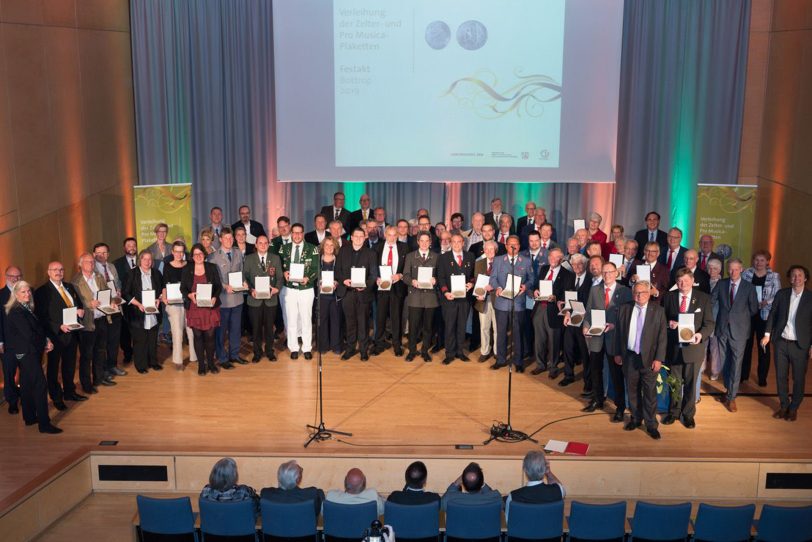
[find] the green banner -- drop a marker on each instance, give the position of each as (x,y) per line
(727,212)
(169,203)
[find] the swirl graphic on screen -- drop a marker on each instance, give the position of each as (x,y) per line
(480,92)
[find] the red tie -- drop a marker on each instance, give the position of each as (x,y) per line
(459,260)
(670,254)
(684,305)
(606,298)
(732,292)
(502,239)
(389,258)
(702,263)
(544,245)
(550,276)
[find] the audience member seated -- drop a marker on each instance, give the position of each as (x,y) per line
(355,491)
(470,488)
(223,486)
(414,492)
(542,485)
(289,477)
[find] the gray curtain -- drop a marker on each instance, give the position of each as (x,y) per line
(203,72)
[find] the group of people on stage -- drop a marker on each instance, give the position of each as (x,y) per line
(542,487)
(506,289)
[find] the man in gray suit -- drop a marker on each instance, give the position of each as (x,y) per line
(640,346)
(422,302)
(737,302)
(263,263)
(520,266)
(228,259)
(608,295)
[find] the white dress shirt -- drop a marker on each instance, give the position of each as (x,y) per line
(150,320)
(789,330)
(91,283)
(385,256)
(633,326)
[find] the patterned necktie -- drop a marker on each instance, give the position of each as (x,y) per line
(544,245)
(651,237)
(683,306)
(389,258)
(490,267)
(262,263)
(65,297)
(106,274)
(639,333)
(296,255)
(132,263)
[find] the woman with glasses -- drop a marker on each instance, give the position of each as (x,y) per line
(203,318)
(175,311)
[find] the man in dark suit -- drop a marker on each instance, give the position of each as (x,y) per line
(488,232)
(319,232)
(253,229)
(575,349)
(608,296)
(414,492)
(790,321)
(640,347)
(673,257)
(706,253)
(701,278)
(336,211)
(548,326)
(289,477)
(737,303)
(651,234)
(362,214)
(404,237)
(660,276)
(421,300)
(11,392)
(123,265)
(356,300)
(494,216)
(686,354)
(629,261)
(391,253)
(542,485)
(455,304)
(528,219)
(50,299)
(144,326)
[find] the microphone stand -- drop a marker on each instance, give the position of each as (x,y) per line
(320,432)
(504,432)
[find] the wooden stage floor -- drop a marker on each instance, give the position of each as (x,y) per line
(391,407)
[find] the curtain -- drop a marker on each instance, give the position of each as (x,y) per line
(203,72)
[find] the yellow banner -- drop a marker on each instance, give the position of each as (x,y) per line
(168,203)
(727,212)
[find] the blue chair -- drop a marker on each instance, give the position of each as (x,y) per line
(166,519)
(597,521)
(535,521)
(288,521)
(785,524)
(413,522)
(348,521)
(661,521)
(473,521)
(723,523)
(228,521)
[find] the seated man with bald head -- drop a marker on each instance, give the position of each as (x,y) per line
(470,488)
(355,491)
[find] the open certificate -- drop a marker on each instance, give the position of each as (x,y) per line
(358,277)
(685,327)
(203,295)
(578,312)
(644,272)
(327,280)
(69,319)
(104,297)
(173,295)
(235,281)
(148,300)
(481,284)
(545,289)
(386,278)
(598,324)
(296,272)
(424,277)
(262,286)
(458,286)
(512,285)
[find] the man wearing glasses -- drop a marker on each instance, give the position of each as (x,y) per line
(11,393)
(660,275)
